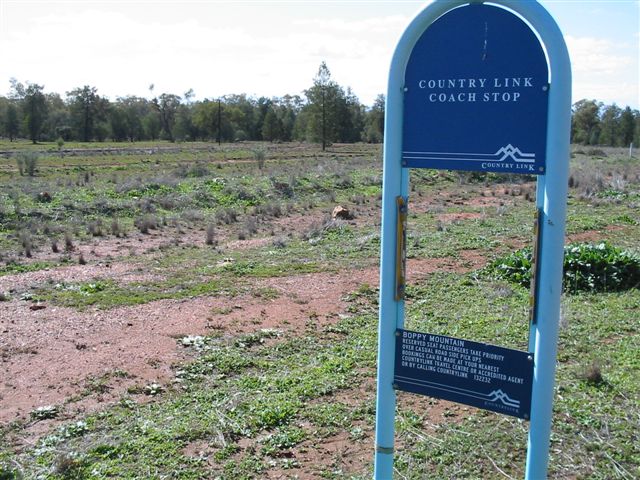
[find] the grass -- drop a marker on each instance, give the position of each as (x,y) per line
(266,403)
(589,439)
(255,400)
(285,393)
(141,194)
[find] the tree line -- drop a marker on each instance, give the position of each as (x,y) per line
(594,123)
(326,113)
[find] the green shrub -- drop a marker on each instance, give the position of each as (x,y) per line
(27,162)
(598,267)
(146,223)
(211,235)
(27,244)
(260,155)
(515,267)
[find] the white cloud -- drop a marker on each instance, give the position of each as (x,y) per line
(378,25)
(597,55)
(604,70)
(122,53)
(218,48)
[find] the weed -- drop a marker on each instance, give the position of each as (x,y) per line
(200,169)
(211,235)
(27,162)
(26,242)
(45,412)
(116,228)
(593,374)
(146,205)
(192,216)
(260,155)
(250,226)
(279,242)
(68,466)
(226,216)
(146,223)
(267,293)
(276,443)
(94,228)
(44,197)
(153,389)
(284,189)
(68,241)
(587,267)
(596,152)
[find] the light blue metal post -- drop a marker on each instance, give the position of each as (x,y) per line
(395,183)
(551,199)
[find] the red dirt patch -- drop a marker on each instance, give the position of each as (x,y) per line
(85,359)
(592,236)
(453,217)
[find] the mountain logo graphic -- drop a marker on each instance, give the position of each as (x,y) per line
(499,395)
(515,154)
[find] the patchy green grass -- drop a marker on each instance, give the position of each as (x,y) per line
(13,268)
(594,433)
(180,186)
(183,272)
(256,402)
(263,403)
(274,395)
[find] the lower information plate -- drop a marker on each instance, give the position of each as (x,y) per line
(477,374)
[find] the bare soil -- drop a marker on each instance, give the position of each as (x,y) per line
(84,361)
(52,355)
(56,355)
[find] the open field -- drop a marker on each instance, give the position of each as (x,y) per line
(193,311)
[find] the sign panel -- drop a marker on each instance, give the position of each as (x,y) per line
(477,374)
(476,94)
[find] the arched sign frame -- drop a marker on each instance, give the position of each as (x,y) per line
(551,195)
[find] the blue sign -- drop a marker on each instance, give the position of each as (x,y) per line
(477,374)
(476,94)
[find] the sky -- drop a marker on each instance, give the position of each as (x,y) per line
(270,48)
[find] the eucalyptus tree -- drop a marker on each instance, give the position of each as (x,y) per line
(167,108)
(351,115)
(10,119)
(87,109)
(217,120)
(242,111)
(374,121)
(609,125)
(58,124)
(626,125)
(271,126)
(287,109)
(34,110)
(585,125)
(133,110)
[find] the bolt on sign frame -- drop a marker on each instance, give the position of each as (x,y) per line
(551,194)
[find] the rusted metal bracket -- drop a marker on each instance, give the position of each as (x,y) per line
(533,295)
(401,248)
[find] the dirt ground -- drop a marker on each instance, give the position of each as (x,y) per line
(56,355)
(85,361)
(52,355)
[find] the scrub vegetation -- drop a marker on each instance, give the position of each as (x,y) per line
(250,223)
